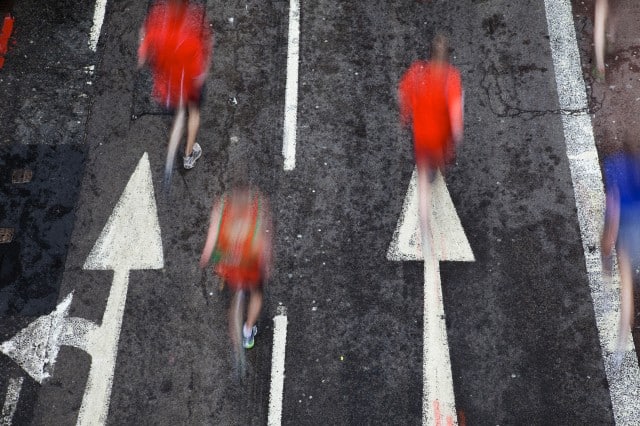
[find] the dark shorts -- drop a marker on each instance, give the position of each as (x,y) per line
(195,98)
(251,287)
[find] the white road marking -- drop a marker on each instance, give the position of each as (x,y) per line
(446,228)
(35,348)
(624,384)
(11,400)
(129,241)
(449,243)
(291,89)
(98,18)
(277,367)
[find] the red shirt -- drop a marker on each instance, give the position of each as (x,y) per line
(241,245)
(427,93)
(177,43)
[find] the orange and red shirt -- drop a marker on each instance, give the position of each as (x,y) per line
(427,92)
(241,245)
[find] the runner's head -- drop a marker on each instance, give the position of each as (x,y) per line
(630,143)
(440,48)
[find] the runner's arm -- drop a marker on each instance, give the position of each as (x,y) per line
(456,107)
(212,235)
(611,222)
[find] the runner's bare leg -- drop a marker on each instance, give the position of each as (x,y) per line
(193,125)
(255,306)
(626,299)
(600,20)
(235,319)
(174,140)
(424,207)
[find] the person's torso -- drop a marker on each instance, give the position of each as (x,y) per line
(429,100)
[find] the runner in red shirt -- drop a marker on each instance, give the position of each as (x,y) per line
(177,43)
(239,246)
(431,100)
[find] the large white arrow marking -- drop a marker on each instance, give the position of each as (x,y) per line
(449,243)
(130,240)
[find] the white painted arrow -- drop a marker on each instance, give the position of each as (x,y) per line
(129,241)
(449,243)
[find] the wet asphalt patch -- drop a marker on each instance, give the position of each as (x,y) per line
(40,214)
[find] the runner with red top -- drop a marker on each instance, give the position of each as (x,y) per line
(431,101)
(239,247)
(177,43)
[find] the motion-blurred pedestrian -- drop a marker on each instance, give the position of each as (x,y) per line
(239,247)
(177,43)
(431,100)
(622,229)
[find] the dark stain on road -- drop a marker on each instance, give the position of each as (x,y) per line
(41,213)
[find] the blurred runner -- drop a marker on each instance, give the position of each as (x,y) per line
(431,100)
(177,43)
(622,229)
(239,246)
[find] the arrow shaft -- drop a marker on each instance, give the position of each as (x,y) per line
(102,345)
(438,402)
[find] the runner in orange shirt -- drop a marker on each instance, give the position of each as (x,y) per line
(431,100)
(239,246)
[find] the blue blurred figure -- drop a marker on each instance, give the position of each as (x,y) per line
(622,229)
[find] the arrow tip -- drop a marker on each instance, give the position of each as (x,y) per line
(131,238)
(36,346)
(450,241)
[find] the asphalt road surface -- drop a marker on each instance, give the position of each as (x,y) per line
(523,341)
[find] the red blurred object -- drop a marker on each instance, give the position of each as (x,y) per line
(177,44)
(7,29)
(243,244)
(427,91)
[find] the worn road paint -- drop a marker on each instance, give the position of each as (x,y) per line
(291,89)
(11,400)
(35,348)
(98,19)
(449,243)
(624,383)
(277,367)
(129,241)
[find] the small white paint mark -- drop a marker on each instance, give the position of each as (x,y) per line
(291,88)
(11,401)
(277,367)
(98,19)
